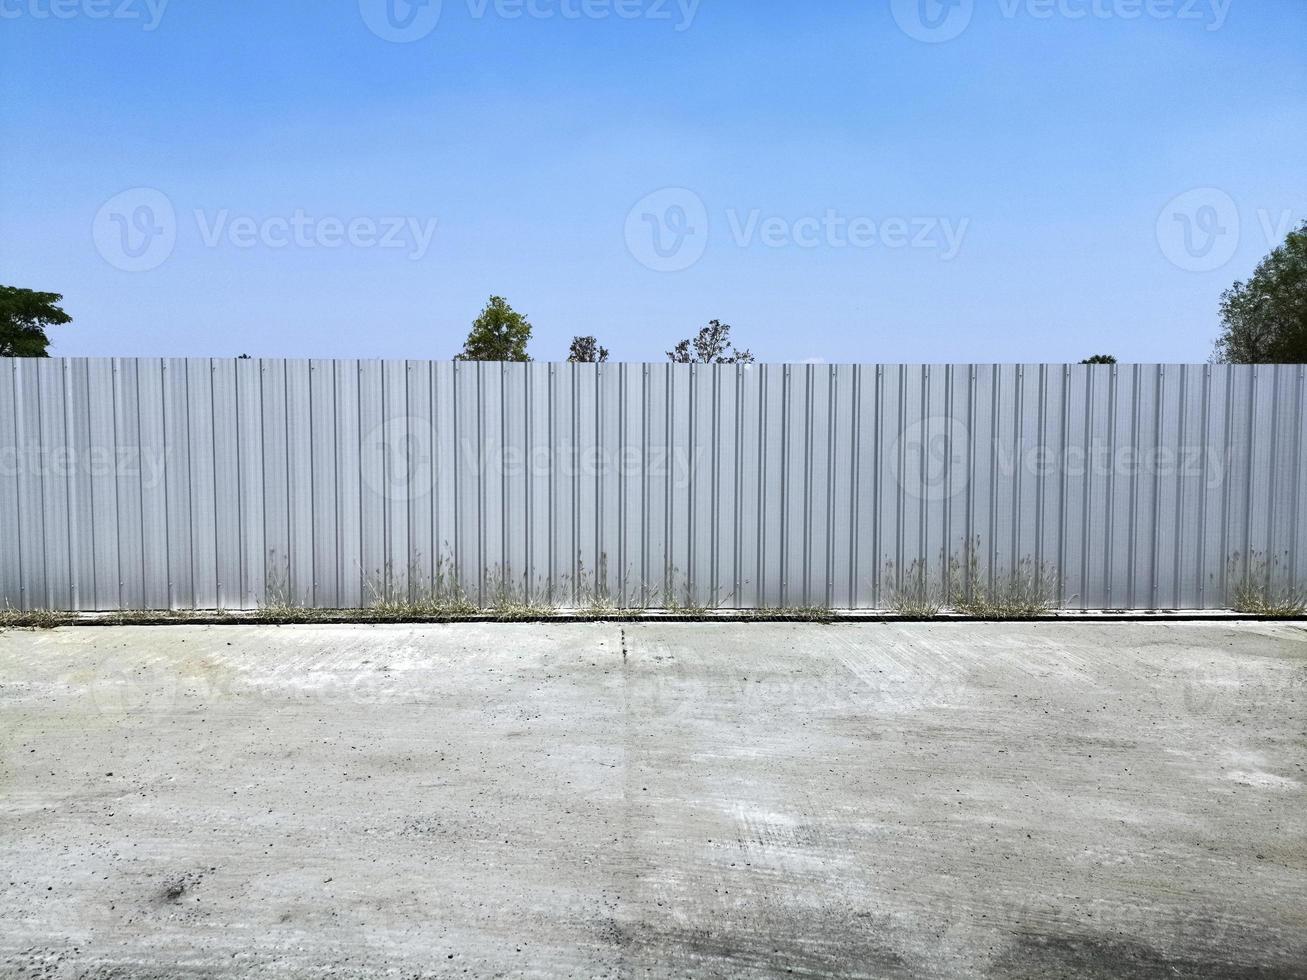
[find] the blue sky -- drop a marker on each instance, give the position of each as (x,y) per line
(1060,178)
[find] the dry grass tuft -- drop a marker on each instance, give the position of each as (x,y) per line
(1259,588)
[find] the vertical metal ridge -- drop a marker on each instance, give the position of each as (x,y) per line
(213,455)
(291,562)
(1272,437)
(192,524)
(1132,548)
(242,583)
(877,508)
(781,505)
(855,474)
(528,512)
(1040,479)
(760,530)
(553,481)
(140,445)
(1206,444)
(970,502)
(505,523)
(809,408)
(1064,525)
(1246,546)
(901,489)
(1226,483)
(45,530)
(481,480)
(1018,434)
(950,475)
(1181,464)
(1298,493)
(18,493)
(923,497)
(692,419)
(738,537)
(1087,504)
(337,523)
(74,572)
(575,559)
(645,477)
(714,481)
(668,509)
(620,477)
(167,498)
(832,441)
(1109,498)
(995,421)
(1155,558)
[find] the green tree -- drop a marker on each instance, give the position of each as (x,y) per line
(586,350)
(1099,359)
(24,315)
(1264,320)
(711,346)
(500,333)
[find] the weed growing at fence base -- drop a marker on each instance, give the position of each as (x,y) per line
(1258,587)
(1027,590)
(960,584)
(36,619)
(916,597)
(803,614)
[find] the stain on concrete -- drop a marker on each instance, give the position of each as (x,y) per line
(1039,956)
(803,946)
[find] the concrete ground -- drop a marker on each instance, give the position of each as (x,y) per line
(947,800)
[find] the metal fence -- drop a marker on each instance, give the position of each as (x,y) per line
(152,483)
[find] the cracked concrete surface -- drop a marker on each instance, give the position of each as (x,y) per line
(880,800)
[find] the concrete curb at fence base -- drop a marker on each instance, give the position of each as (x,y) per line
(721,617)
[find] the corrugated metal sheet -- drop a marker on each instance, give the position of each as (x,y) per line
(154,483)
